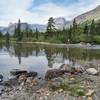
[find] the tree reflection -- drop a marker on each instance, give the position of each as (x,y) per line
(53,54)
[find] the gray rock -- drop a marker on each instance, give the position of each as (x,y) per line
(70,69)
(17,72)
(54,73)
(92,71)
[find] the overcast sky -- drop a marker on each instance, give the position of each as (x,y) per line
(38,11)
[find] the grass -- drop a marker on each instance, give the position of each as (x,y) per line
(74,89)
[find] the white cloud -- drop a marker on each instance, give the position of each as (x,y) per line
(12,10)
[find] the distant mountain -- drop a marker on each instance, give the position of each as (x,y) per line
(90,15)
(33,27)
(2,28)
(60,23)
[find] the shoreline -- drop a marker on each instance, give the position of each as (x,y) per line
(78,45)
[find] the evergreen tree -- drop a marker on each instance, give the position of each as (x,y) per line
(50,27)
(74,31)
(70,34)
(15,32)
(7,36)
(86,30)
(74,26)
(92,28)
(98,28)
(18,31)
(27,31)
(37,33)
(1,35)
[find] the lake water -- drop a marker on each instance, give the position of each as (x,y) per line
(40,58)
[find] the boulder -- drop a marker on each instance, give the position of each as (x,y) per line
(92,71)
(53,73)
(18,72)
(25,76)
(1,78)
(70,69)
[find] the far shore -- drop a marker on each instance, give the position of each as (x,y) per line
(78,45)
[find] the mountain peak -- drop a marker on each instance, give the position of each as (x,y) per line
(90,15)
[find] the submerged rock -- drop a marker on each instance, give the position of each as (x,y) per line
(92,71)
(32,74)
(50,74)
(18,72)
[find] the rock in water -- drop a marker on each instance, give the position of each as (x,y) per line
(1,78)
(32,74)
(17,72)
(92,71)
(54,73)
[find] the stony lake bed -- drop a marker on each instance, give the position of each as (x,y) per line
(49,73)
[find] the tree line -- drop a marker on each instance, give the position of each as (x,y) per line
(88,32)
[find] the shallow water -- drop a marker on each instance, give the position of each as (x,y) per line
(40,58)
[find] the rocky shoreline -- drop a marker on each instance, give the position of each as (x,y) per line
(64,83)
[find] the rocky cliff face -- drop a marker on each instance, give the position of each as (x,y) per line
(90,15)
(60,23)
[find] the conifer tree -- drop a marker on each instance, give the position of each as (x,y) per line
(7,36)
(92,28)
(37,33)
(50,27)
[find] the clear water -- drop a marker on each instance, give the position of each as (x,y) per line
(40,58)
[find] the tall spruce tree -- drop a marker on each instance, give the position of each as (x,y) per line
(92,28)
(50,27)
(7,36)
(74,26)
(98,28)
(86,29)
(70,34)
(27,31)
(18,31)
(37,33)
(1,35)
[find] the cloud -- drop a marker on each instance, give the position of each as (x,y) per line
(35,11)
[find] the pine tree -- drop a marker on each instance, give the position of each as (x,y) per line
(7,36)
(18,31)
(37,33)
(50,27)
(1,35)
(70,34)
(98,28)
(15,32)
(74,26)
(92,28)
(86,30)
(27,31)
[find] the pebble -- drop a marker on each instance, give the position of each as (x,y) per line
(90,92)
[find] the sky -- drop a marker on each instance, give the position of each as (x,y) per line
(38,11)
